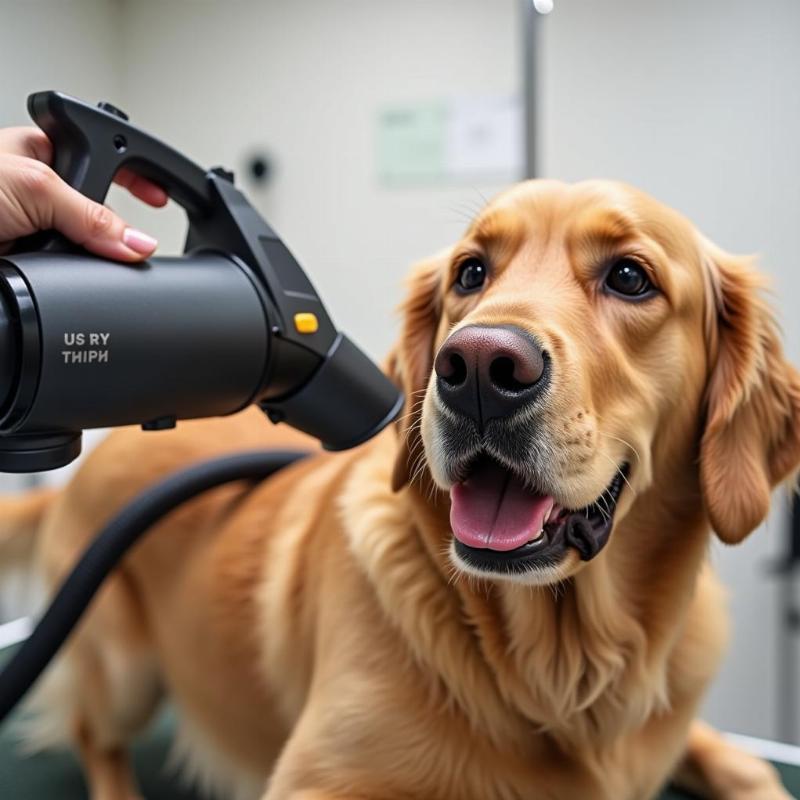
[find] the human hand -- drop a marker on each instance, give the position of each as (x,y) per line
(34,198)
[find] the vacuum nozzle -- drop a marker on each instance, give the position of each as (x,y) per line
(347,379)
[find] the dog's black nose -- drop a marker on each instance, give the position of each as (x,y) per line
(486,372)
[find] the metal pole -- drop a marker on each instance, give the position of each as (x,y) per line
(530,26)
(787,659)
(788,569)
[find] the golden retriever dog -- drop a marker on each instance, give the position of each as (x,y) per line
(504,596)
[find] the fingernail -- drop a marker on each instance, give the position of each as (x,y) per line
(138,241)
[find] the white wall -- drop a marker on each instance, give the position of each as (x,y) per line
(697,103)
(72,45)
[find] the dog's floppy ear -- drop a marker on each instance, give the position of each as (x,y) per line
(411,361)
(751,439)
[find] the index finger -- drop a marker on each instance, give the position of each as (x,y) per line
(151,193)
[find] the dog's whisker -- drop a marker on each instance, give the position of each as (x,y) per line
(465,210)
(619,471)
(412,412)
(604,509)
(413,429)
(484,200)
(416,468)
(418,473)
(412,409)
(625,442)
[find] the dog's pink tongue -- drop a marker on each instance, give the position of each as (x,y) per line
(493,510)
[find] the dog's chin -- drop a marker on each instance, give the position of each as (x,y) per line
(504,529)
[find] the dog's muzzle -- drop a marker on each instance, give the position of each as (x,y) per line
(504,513)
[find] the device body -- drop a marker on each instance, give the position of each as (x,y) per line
(172,338)
(87,343)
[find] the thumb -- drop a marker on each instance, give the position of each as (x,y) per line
(89,224)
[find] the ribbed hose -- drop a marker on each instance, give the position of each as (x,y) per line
(108,548)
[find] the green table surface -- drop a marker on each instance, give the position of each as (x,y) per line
(57,775)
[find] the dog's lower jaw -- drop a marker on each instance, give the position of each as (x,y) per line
(543,574)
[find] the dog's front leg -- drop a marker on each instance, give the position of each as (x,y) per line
(714,769)
(294,778)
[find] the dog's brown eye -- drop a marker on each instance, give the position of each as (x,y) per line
(471,275)
(628,277)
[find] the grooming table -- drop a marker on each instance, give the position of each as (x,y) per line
(57,774)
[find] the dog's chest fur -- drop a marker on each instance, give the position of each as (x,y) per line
(449,689)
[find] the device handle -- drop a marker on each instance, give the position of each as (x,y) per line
(90,144)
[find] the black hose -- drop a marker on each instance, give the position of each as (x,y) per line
(110,545)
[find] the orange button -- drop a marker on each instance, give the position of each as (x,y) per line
(306,322)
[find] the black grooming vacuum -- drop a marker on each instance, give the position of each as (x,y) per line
(85,343)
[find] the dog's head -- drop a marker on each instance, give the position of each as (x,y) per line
(578,347)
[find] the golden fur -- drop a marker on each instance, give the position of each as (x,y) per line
(317,634)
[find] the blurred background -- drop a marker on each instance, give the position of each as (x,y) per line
(369,131)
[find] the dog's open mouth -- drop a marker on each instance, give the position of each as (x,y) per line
(500,525)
